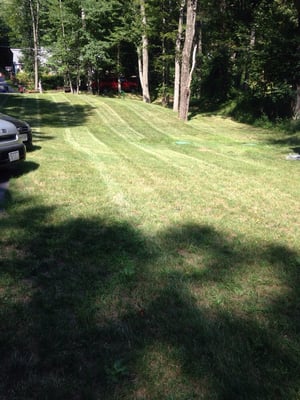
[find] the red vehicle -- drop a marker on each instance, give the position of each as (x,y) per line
(113,84)
(129,84)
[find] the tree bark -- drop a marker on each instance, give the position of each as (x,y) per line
(143,56)
(35,32)
(67,73)
(186,69)
(297,102)
(178,58)
(297,105)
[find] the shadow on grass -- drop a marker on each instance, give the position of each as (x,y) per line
(12,171)
(18,169)
(290,140)
(95,309)
(54,114)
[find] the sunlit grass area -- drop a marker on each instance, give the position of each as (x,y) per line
(147,258)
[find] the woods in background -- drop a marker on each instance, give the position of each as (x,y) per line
(211,52)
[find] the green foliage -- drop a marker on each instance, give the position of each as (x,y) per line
(4,30)
(253,60)
(249,49)
(216,76)
(25,79)
(272,102)
(52,81)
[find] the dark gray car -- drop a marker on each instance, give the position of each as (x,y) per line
(12,148)
(24,129)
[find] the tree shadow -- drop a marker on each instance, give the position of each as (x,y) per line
(291,140)
(91,304)
(13,171)
(18,169)
(69,114)
(38,138)
(296,149)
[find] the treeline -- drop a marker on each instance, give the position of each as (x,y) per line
(245,52)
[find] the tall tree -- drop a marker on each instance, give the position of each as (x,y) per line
(188,59)
(143,55)
(34,6)
(80,36)
(25,18)
(297,102)
(178,44)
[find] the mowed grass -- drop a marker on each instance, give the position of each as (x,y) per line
(147,258)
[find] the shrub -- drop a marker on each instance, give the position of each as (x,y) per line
(52,81)
(25,79)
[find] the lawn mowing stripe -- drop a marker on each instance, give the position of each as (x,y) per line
(152,190)
(111,168)
(117,116)
(113,160)
(182,190)
(86,143)
(148,119)
(157,108)
(175,155)
(138,146)
(117,168)
(110,123)
(255,163)
(95,157)
(84,140)
(159,154)
(221,197)
(131,142)
(195,140)
(216,138)
(226,195)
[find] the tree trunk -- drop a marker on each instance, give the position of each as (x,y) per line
(178,58)
(297,102)
(143,56)
(165,96)
(35,32)
(200,54)
(244,76)
(186,69)
(67,73)
(297,106)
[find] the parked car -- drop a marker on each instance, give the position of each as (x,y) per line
(129,84)
(24,129)
(108,85)
(111,84)
(3,88)
(12,148)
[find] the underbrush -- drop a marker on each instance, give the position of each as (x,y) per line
(259,112)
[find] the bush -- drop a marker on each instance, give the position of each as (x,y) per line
(52,81)
(272,104)
(25,79)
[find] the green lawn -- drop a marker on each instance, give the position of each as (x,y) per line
(146,258)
